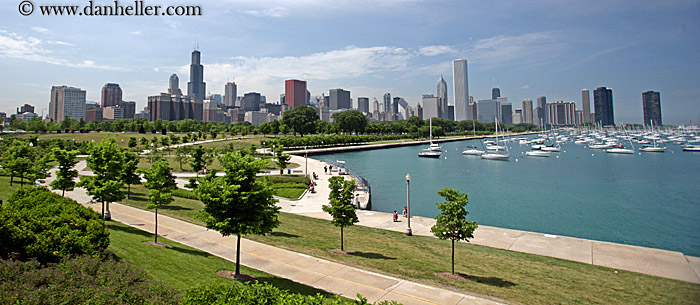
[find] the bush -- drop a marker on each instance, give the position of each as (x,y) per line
(36,223)
(257,293)
(183,193)
(274,179)
(80,280)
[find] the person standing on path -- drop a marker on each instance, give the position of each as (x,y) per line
(325,169)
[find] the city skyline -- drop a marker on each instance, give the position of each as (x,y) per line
(547,58)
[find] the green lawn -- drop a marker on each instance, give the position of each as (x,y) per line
(183,267)
(145,163)
(5,189)
(513,276)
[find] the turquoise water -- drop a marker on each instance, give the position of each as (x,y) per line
(650,200)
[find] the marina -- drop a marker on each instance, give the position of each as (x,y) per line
(644,199)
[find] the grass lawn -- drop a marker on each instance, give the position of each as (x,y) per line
(145,163)
(5,190)
(183,267)
(122,137)
(514,276)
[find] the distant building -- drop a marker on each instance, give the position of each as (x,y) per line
(251,102)
(93,112)
(419,110)
(586,103)
(111,95)
(561,113)
(472,108)
(539,114)
(196,87)
(506,113)
(339,99)
(488,110)
(442,96)
(174,107)
(25,108)
(66,102)
(387,104)
(518,116)
(174,85)
(527,112)
(295,93)
(651,102)
(495,93)
(603,101)
(430,106)
(395,108)
(461,90)
(363,104)
(451,112)
(129,109)
(230,94)
(25,116)
(259,117)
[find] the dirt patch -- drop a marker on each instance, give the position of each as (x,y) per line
(450,276)
(241,277)
(341,252)
(162,245)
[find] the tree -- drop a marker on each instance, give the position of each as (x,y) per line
(129,165)
(350,121)
(341,208)
(105,161)
(237,203)
(65,173)
(282,159)
(452,222)
(132,142)
(198,157)
(161,182)
(34,222)
(18,159)
(302,119)
(182,154)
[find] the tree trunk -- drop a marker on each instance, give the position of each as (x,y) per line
(238,255)
(453,257)
(156,225)
(341,239)
(103,209)
(128,194)
(64,193)
(12,178)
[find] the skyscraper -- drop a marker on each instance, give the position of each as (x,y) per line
(603,102)
(111,95)
(395,108)
(196,88)
(363,104)
(527,111)
(442,96)
(651,102)
(461,88)
(174,85)
(339,99)
(506,113)
(561,113)
(230,94)
(488,110)
(495,93)
(387,105)
(540,115)
(586,103)
(430,106)
(66,102)
(294,92)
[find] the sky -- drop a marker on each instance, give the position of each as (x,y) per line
(370,47)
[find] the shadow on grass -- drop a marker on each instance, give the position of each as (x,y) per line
(290,285)
(371,255)
(175,208)
(282,234)
(493,281)
(149,236)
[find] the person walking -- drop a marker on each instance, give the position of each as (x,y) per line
(325,169)
(405,211)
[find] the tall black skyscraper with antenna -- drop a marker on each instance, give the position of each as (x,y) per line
(196,88)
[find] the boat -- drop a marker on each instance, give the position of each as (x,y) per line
(551,148)
(472,150)
(619,149)
(655,147)
(537,153)
(496,155)
(600,146)
(431,152)
(691,148)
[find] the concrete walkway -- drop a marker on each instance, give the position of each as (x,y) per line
(319,273)
(657,262)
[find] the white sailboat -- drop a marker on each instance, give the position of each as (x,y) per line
(619,149)
(537,153)
(655,147)
(434,150)
(496,155)
(472,150)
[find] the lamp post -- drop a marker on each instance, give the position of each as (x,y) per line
(408,203)
(306,162)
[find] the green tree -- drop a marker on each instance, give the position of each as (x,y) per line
(37,223)
(182,155)
(341,208)
(65,174)
(133,142)
(302,119)
(452,221)
(350,121)
(161,183)
(129,176)
(198,159)
(105,161)
(237,203)
(281,158)
(144,142)
(17,159)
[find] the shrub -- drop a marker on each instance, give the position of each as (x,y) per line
(257,293)
(80,280)
(36,223)
(183,193)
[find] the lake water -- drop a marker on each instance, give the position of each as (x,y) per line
(650,200)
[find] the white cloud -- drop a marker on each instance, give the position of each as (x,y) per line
(39,29)
(524,87)
(135,33)
(501,49)
(277,11)
(156,69)
(60,43)
(13,45)
(171,23)
(436,50)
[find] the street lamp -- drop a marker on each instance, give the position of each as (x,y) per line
(408,203)
(306,162)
